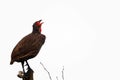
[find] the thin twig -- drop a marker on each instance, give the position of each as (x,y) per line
(46,70)
(63,73)
(56,77)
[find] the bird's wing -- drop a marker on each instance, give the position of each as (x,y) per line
(28,47)
(24,46)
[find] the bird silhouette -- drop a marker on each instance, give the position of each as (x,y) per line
(29,46)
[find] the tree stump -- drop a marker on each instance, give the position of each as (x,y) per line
(27,76)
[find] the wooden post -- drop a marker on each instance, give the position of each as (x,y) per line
(27,76)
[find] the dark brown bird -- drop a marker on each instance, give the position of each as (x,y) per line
(29,46)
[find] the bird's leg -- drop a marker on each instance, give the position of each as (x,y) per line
(23,67)
(28,65)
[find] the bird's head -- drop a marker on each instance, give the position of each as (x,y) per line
(37,26)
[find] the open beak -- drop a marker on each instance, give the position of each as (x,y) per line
(41,22)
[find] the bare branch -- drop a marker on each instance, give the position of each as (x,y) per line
(56,77)
(46,70)
(63,73)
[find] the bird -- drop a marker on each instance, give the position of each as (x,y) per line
(29,46)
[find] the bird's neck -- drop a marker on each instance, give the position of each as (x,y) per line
(36,31)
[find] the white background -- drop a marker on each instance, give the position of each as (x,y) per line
(82,35)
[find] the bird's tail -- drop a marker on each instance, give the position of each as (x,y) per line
(11,62)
